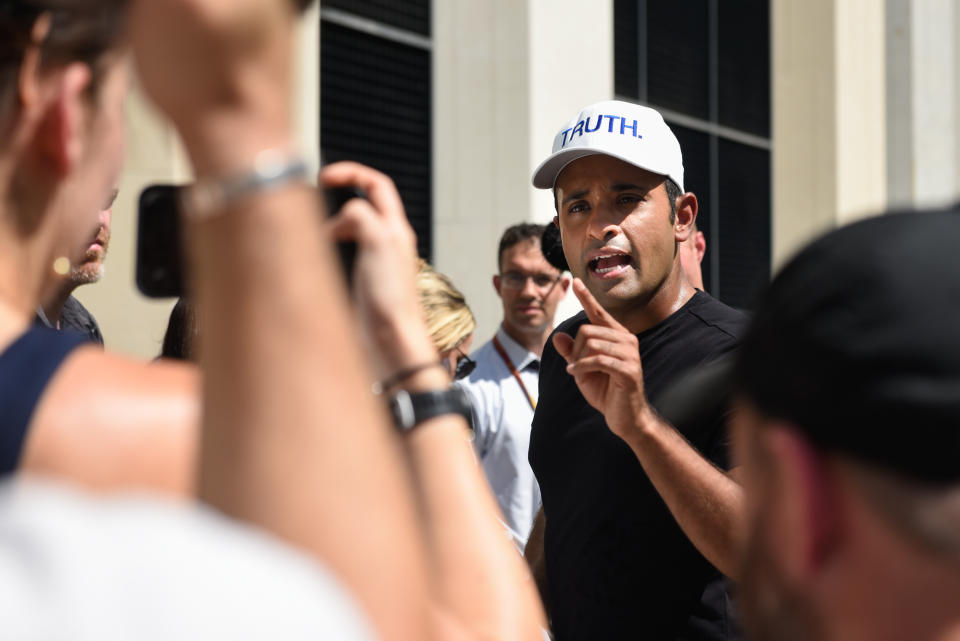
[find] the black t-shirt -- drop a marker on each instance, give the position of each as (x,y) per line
(618,565)
(75,317)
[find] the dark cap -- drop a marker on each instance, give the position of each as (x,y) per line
(857,343)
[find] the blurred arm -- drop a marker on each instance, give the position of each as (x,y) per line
(479,583)
(108,422)
(291,439)
(536,557)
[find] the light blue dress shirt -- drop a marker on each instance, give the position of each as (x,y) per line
(502,416)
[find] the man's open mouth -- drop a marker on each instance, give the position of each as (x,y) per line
(608,265)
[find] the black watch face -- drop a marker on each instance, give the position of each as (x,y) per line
(409,410)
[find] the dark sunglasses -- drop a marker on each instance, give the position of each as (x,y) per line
(464,366)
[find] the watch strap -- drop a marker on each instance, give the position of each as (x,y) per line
(411,409)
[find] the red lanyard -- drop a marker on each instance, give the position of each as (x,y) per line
(513,370)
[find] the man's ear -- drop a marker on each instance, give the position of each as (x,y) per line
(687,208)
(803,502)
(700,244)
(28,76)
(61,130)
(556,222)
(564,283)
(496,283)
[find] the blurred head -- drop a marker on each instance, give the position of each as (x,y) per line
(530,288)
(848,436)
(90,267)
(63,79)
(449,320)
(691,255)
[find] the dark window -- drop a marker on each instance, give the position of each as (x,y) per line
(677,56)
(745,224)
(696,178)
(626,50)
(375,108)
(409,15)
(706,65)
(744,65)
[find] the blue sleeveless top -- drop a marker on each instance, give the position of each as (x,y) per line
(26,366)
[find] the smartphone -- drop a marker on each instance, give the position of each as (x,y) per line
(159,248)
(160,268)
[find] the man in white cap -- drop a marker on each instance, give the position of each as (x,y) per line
(641,519)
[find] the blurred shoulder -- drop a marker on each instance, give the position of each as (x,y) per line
(88,567)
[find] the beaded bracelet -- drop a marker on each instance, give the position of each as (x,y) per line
(272,168)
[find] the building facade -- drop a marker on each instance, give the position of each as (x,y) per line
(793,117)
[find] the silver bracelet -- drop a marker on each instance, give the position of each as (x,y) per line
(272,168)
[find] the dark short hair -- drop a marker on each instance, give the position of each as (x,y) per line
(516,234)
(673,192)
(80,31)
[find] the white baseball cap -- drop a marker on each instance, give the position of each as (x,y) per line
(634,134)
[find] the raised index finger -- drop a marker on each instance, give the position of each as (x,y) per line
(597,314)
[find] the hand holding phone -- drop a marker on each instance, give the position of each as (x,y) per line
(161,272)
(384,276)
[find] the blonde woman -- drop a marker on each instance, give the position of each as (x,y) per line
(449,320)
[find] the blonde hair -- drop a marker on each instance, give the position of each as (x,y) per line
(445,310)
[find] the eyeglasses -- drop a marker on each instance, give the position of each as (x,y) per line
(517,280)
(464,366)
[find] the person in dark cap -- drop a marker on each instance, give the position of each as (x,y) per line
(848,433)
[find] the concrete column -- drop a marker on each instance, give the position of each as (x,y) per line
(899,103)
(507,74)
(306,104)
(829,117)
(922,72)
(934,85)
(861,113)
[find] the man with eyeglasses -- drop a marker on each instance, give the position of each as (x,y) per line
(503,386)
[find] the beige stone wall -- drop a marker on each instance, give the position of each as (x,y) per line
(866,111)
(829,116)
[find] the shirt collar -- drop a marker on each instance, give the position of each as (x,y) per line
(43,318)
(519,354)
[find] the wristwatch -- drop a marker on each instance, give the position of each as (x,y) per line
(409,410)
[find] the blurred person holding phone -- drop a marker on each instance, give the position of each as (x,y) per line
(292,442)
(70,409)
